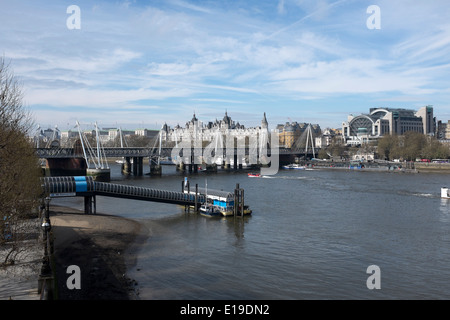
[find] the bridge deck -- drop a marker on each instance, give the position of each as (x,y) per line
(45,153)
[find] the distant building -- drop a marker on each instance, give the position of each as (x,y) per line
(50,134)
(146,133)
(363,156)
(381,121)
(290,132)
(114,132)
(197,130)
(443,130)
(324,140)
(68,134)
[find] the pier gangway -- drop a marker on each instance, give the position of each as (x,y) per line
(87,187)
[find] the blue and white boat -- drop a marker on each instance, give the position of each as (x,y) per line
(221,201)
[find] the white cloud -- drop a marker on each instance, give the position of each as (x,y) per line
(257,54)
(99,98)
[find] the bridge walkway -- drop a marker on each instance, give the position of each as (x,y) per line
(87,187)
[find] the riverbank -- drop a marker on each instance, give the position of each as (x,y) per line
(432,167)
(102,246)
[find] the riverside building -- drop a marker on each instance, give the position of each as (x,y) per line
(378,122)
(290,132)
(196,130)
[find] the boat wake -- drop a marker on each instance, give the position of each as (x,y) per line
(285,177)
(425,195)
(419,194)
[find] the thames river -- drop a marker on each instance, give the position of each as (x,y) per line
(312,235)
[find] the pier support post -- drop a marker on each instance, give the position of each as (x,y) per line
(186,185)
(238,201)
(242,203)
(196,198)
(90,205)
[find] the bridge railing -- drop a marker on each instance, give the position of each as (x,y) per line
(105,188)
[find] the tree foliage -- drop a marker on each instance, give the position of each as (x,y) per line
(411,146)
(19,170)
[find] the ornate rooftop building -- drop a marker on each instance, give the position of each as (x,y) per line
(197,130)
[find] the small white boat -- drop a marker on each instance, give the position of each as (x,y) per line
(294,166)
(445,193)
(209,210)
(122,161)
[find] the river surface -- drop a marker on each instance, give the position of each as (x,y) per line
(312,235)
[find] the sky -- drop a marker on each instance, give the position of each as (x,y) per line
(140,64)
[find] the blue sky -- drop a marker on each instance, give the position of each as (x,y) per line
(143,63)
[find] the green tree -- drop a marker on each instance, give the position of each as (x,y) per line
(388,147)
(336,148)
(435,149)
(413,144)
(323,154)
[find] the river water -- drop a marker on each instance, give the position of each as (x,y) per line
(312,235)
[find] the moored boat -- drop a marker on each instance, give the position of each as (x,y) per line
(222,202)
(209,210)
(254,175)
(445,193)
(294,166)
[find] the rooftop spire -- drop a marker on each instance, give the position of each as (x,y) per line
(264,122)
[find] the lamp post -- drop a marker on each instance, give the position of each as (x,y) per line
(46,272)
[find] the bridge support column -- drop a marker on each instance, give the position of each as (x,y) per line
(155,170)
(141,166)
(137,166)
(126,166)
(181,166)
(226,164)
